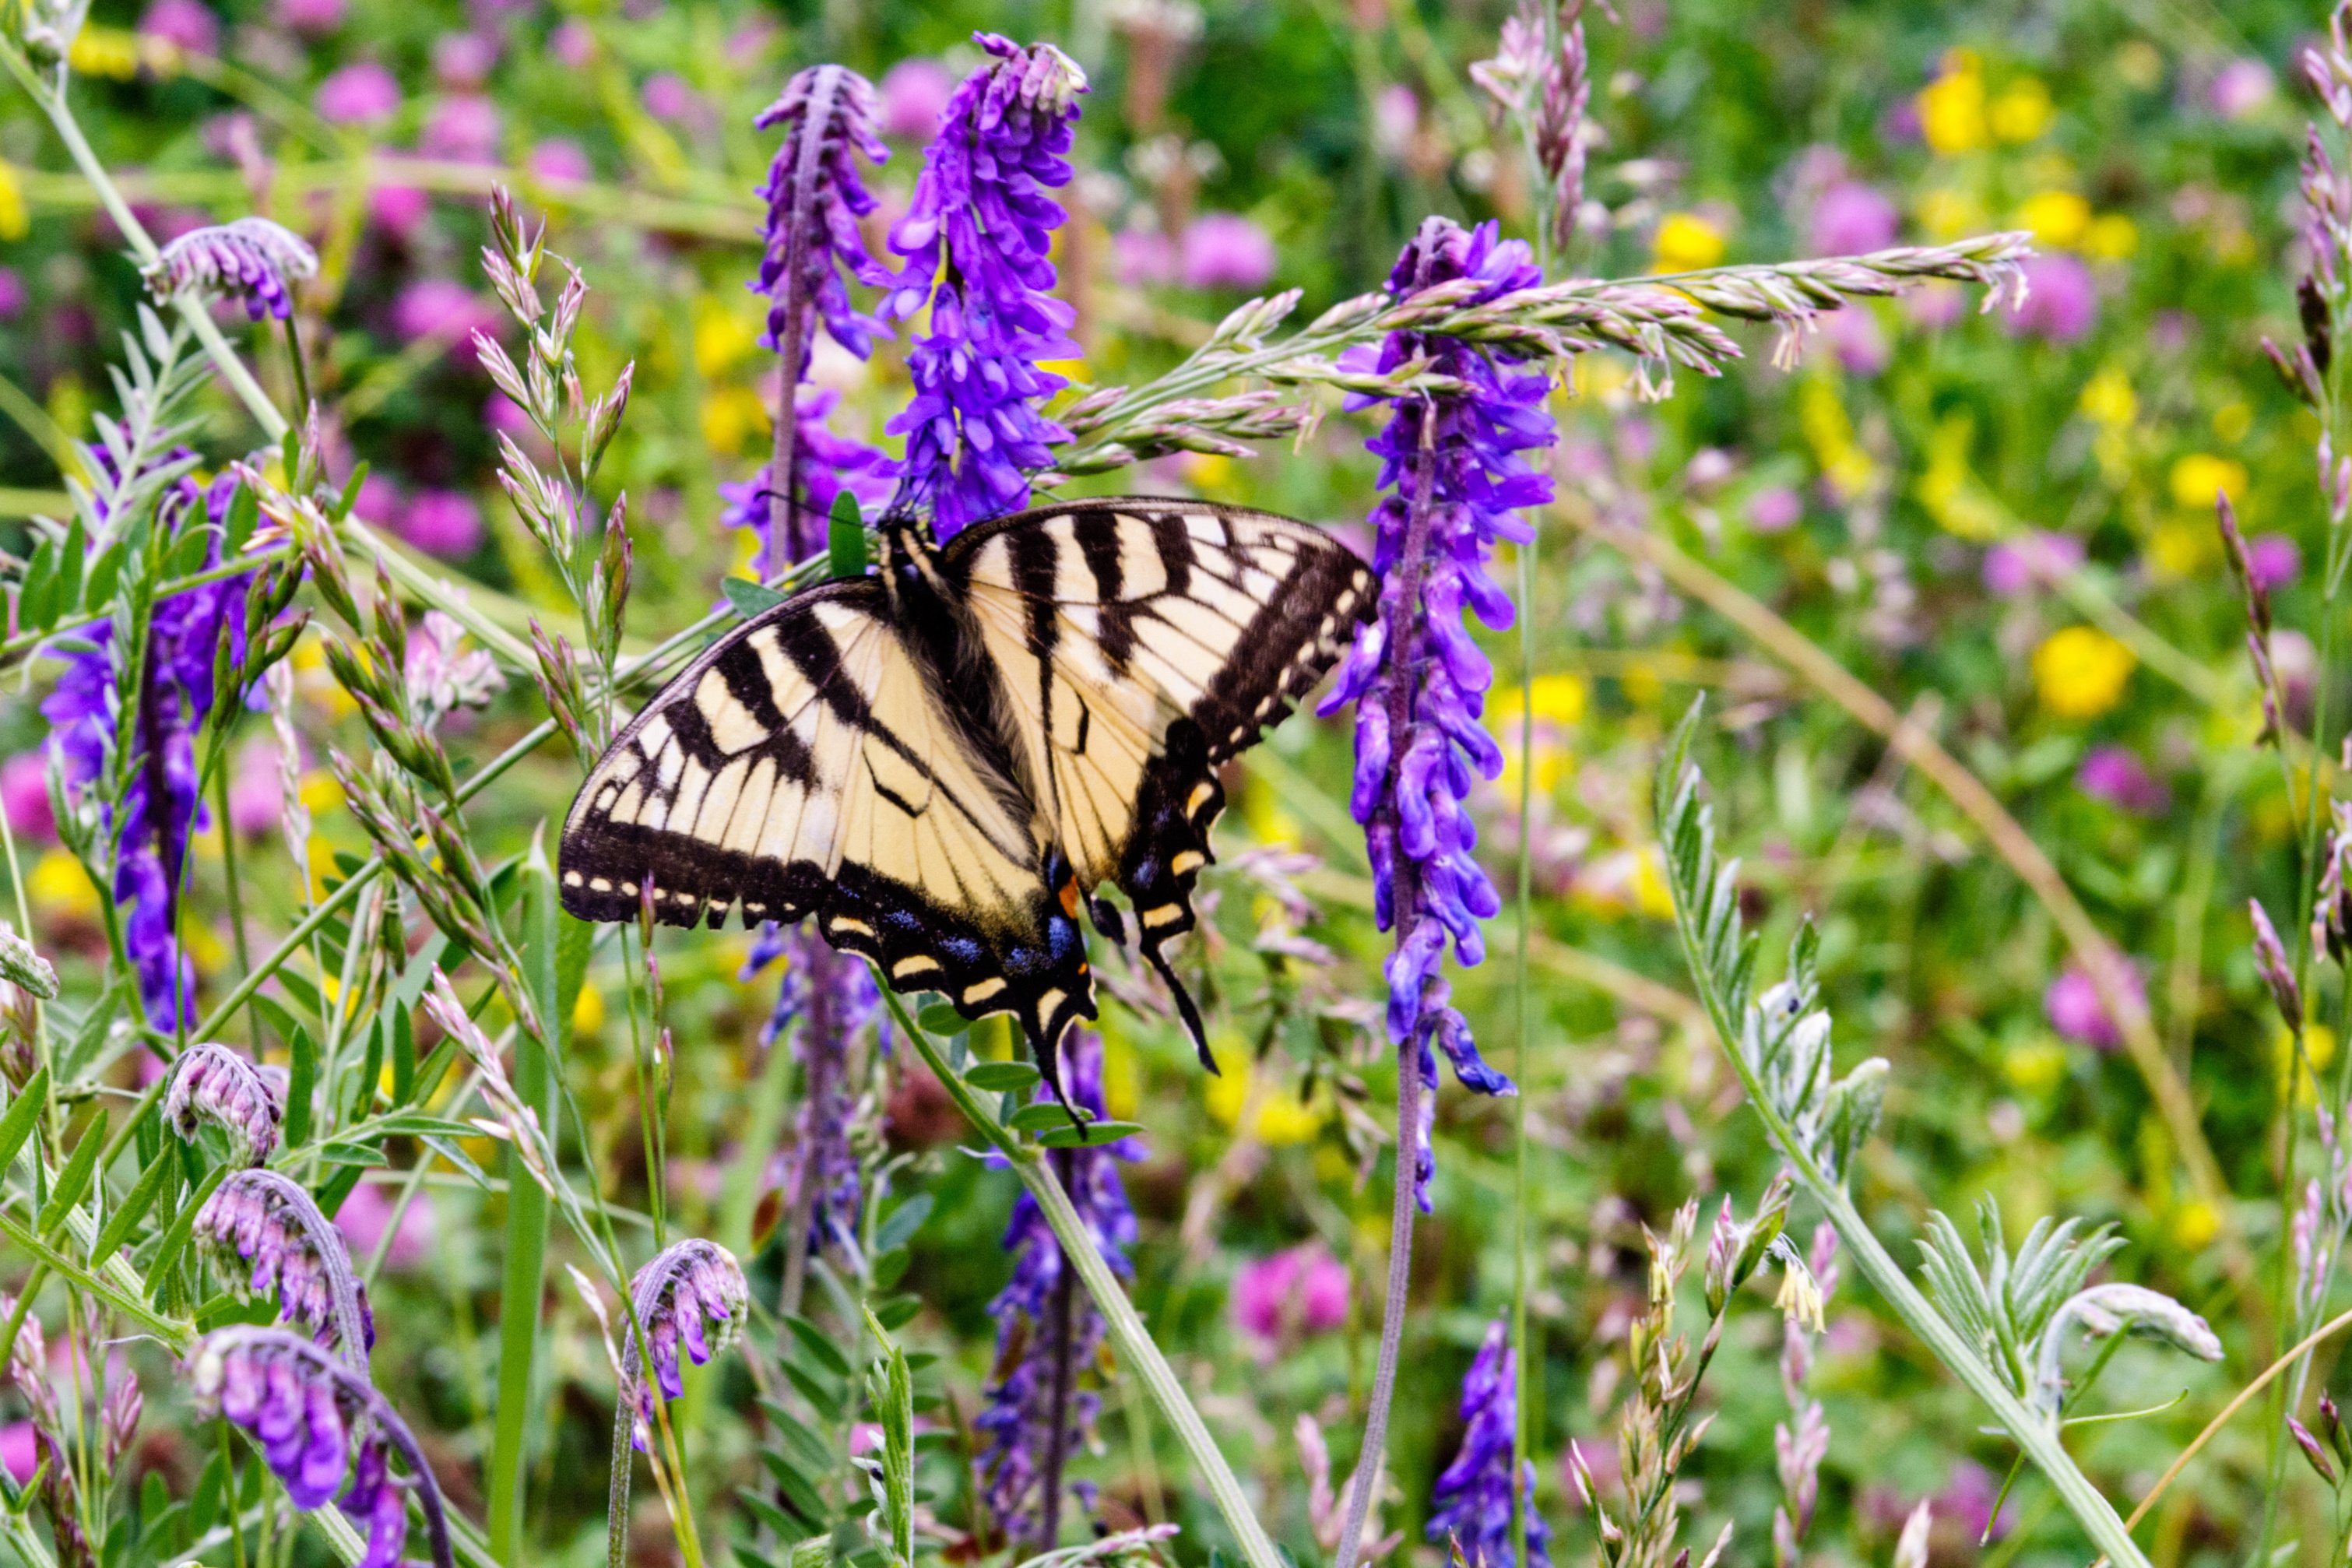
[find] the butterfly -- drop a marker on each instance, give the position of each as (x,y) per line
(944,759)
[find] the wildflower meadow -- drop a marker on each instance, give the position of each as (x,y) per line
(691,872)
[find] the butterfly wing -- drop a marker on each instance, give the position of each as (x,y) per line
(1140,643)
(807,763)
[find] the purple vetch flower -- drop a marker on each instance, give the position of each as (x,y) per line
(150,825)
(1471,1507)
(823,464)
(829,114)
(1226,250)
(212,1083)
(915,93)
(323,1430)
(691,1294)
(2115,776)
(976,241)
(1452,473)
(187,22)
(2061,304)
(2030,558)
(251,261)
(1047,1332)
(1850,217)
(2239,87)
(832,995)
(2073,1008)
(2273,560)
(361,94)
(442,523)
(267,1221)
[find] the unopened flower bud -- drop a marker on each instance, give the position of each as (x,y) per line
(2270,959)
(2312,1451)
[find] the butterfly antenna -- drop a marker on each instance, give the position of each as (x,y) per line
(1184,1008)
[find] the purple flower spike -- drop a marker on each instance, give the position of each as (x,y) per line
(158,805)
(323,1429)
(828,113)
(212,1083)
(267,1238)
(252,260)
(1471,1506)
(1033,1415)
(1452,469)
(832,995)
(976,241)
(692,1292)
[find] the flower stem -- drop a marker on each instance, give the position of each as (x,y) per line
(1523,1432)
(1129,1339)
(819,1048)
(1392,1307)
(783,527)
(1057,1430)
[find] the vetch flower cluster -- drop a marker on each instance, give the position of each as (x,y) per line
(324,1432)
(251,261)
(211,1083)
(832,996)
(1471,1507)
(173,688)
(692,1294)
(975,243)
(268,1237)
(1452,475)
(815,199)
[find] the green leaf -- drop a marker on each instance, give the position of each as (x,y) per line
(18,1125)
(74,1180)
(1093,1135)
(135,1205)
(336,1188)
(890,1267)
(37,598)
(1039,1115)
(894,1406)
(845,538)
(204,1503)
(244,512)
(404,1056)
(188,554)
(176,1236)
(817,1344)
(823,1395)
(750,599)
(356,1154)
(897,1311)
(800,1495)
(901,1222)
(300,1080)
(97,583)
(939,1018)
(769,1514)
(1000,1078)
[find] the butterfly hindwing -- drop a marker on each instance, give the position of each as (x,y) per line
(1140,644)
(807,763)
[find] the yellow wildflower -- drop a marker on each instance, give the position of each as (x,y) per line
(2107,398)
(59,889)
(1559,705)
(1952,107)
(1211,473)
(2022,112)
(104,51)
(1685,242)
(2056,217)
(1277,1115)
(2198,476)
(2232,420)
(2182,549)
(731,416)
(1829,433)
(2111,238)
(321,794)
(723,337)
(2080,672)
(13,219)
(1950,490)
(2195,1225)
(588,1011)
(2035,1067)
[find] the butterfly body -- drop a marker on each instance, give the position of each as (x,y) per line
(943,760)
